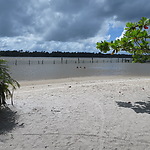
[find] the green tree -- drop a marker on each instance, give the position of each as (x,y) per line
(7,83)
(136,40)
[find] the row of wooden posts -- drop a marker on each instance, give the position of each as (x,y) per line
(62,61)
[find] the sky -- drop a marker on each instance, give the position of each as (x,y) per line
(65,25)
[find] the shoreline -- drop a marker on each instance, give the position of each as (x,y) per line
(78,79)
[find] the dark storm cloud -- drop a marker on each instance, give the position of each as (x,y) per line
(128,10)
(66,20)
(82,19)
(74,26)
(75,19)
(69,6)
(14,17)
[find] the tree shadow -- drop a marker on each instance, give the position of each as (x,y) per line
(8,119)
(138,107)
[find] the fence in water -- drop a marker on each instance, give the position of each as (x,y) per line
(63,60)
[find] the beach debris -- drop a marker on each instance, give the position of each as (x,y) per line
(35,109)
(54,110)
(21,125)
(11,136)
(69,86)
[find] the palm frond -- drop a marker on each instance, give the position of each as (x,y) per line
(6,81)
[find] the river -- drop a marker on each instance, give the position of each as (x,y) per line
(40,68)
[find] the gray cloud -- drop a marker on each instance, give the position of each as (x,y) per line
(74,20)
(14,17)
(63,21)
(128,10)
(71,20)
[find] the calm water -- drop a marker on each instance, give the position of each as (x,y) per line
(28,68)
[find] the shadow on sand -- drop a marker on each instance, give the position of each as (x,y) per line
(8,119)
(138,107)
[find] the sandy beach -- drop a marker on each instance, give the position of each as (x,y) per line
(91,113)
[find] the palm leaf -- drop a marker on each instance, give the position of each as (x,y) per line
(6,81)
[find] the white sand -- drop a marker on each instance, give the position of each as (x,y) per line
(80,114)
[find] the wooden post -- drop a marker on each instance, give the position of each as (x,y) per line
(110,60)
(92,59)
(61,60)
(78,60)
(16,62)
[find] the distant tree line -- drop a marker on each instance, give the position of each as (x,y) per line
(22,53)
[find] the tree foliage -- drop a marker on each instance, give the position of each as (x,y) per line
(6,83)
(136,40)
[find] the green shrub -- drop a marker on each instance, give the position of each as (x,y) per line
(7,84)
